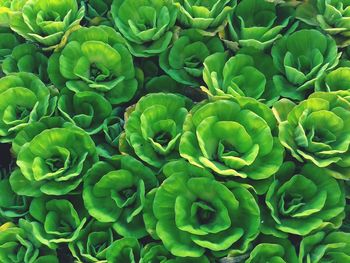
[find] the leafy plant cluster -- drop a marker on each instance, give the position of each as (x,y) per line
(174,131)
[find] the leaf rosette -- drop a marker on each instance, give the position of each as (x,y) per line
(12,206)
(46,22)
(17,245)
(302,58)
(56,221)
(24,99)
(317,130)
(272,249)
(249,73)
(126,250)
(205,15)
(258,23)
(302,201)
(325,247)
(107,140)
(95,59)
(183,61)
(26,57)
(192,212)
(330,15)
(87,110)
(146,24)
(154,127)
(120,184)
(33,129)
(53,162)
(254,153)
(92,243)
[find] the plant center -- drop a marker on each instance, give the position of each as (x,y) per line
(205,212)
(163,138)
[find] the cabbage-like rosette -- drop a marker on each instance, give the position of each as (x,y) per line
(317,130)
(17,244)
(303,200)
(120,183)
(146,24)
(24,99)
(253,153)
(46,22)
(191,213)
(95,59)
(53,162)
(154,127)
